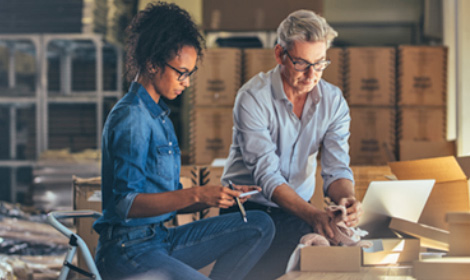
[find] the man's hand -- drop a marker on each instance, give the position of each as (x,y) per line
(353,210)
(321,224)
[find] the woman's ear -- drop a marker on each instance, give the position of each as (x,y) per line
(151,69)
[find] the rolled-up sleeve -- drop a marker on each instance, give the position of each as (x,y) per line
(335,148)
(130,141)
(251,120)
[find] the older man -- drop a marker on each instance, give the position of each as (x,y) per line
(282,119)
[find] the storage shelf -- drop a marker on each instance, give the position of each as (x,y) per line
(49,69)
(17,100)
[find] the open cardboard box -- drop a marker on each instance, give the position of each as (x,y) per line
(385,251)
(451,191)
(388,247)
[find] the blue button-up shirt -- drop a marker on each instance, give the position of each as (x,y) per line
(140,154)
(272,146)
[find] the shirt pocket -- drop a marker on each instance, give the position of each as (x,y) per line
(167,161)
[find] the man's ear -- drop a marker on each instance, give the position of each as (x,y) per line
(279,53)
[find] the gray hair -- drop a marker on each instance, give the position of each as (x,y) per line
(304,25)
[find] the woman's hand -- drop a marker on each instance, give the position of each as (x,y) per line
(222,197)
(244,189)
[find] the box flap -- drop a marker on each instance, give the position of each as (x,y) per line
(430,237)
(442,169)
(413,150)
(465,165)
(458,217)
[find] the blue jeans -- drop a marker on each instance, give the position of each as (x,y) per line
(289,230)
(156,252)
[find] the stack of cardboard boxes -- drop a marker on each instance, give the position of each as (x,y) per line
(215,85)
(370,92)
(334,74)
(214,88)
(256,61)
(421,91)
(397,100)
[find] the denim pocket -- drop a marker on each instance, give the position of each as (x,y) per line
(167,161)
(139,236)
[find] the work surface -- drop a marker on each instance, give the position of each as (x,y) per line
(366,273)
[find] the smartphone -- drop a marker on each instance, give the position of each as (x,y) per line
(248,193)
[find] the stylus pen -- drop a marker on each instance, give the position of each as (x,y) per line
(240,205)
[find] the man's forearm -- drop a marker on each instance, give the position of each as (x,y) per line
(289,200)
(341,188)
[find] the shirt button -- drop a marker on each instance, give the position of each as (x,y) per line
(170,152)
(163,121)
(171,143)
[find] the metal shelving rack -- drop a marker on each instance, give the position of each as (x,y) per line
(41,97)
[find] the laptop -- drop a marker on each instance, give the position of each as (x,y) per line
(404,199)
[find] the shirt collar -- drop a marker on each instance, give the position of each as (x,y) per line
(157,110)
(278,87)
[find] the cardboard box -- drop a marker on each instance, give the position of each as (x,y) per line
(422,123)
(192,172)
(256,61)
(211,134)
(394,250)
(370,76)
(430,237)
(261,14)
(330,259)
(449,268)
(363,175)
(384,251)
(87,196)
(411,150)
(218,78)
(459,227)
(373,135)
(450,193)
(422,75)
(334,73)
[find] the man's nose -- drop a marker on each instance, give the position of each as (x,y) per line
(310,72)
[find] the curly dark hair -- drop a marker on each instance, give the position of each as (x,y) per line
(155,36)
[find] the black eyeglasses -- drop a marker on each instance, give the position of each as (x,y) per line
(182,75)
(302,65)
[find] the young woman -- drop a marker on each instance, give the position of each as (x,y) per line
(141,168)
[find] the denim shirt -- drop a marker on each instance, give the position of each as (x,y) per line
(140,154)
(272,146)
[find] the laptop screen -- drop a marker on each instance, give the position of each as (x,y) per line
(404,199)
